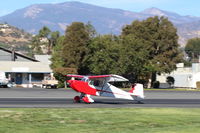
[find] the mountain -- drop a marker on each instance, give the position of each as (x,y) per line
(105,20)
(174,17)
(57,16)
(187,26)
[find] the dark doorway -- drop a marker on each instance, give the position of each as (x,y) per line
(18,78)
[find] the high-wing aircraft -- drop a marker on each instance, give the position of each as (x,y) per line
(100,86)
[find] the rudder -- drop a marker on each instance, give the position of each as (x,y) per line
(137,90)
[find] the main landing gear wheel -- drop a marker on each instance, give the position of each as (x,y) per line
(77,99)
(86,100)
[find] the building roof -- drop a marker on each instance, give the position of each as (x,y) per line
(24,67)
(43,58)
(18,54)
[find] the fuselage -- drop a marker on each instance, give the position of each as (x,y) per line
(107,90)
(82,87)
(100,86)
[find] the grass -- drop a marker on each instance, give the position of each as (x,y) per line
(94,120)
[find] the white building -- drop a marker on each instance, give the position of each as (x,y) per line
(23,70)
(186,77)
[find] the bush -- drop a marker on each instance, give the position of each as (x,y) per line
(198,84)
(60,75)
(156,84)
(170,80)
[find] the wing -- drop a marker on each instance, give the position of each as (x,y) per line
(99,76)
(109,78)
(75,76)
(117,78)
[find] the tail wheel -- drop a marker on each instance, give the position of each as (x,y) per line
(77,99)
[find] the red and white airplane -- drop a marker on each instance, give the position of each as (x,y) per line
(100,86)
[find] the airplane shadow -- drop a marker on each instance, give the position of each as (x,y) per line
(119,102)
(151,101)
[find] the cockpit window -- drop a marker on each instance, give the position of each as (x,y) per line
(97,83)
(91,82)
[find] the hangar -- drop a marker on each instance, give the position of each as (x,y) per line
(22,70)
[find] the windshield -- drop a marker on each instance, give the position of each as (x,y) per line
(97,83)
(85,79)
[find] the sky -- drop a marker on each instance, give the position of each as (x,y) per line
(182,7)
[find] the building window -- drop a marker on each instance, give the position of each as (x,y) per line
(37,77)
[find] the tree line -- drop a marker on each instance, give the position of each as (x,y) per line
(142,50)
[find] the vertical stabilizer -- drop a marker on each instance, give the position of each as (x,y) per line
(137,90)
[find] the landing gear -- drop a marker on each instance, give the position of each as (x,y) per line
(84,98)
(77,99)
(87,99)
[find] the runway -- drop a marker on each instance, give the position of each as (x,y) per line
(62,98)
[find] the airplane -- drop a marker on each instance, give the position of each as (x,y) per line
(99,85)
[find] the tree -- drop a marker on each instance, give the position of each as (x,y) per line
(160,39)
(54,38)
(56,59)
(69,51)
(192,48)
(133,57)
(36,45)
(44,41)
(75,45)
(103,55)
(91,30)
(58,63)
(44,33)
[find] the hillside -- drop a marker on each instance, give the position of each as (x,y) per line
(105,20)
(12,37)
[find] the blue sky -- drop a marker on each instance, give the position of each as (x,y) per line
(182,7)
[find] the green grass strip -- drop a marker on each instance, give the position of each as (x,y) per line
(100,120)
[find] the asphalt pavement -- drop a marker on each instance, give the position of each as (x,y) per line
(63,98)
